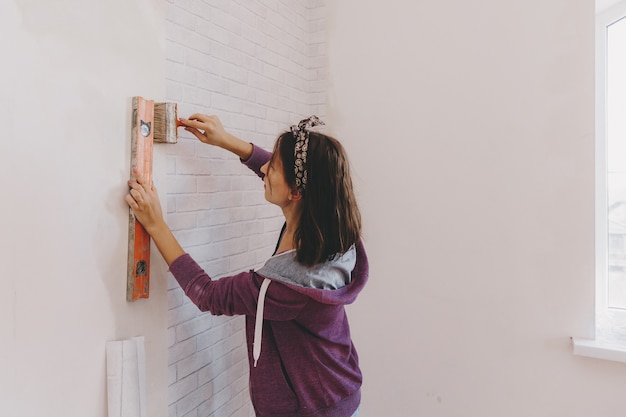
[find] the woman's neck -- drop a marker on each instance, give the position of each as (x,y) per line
(288,241)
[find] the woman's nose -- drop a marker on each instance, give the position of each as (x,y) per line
(264,168)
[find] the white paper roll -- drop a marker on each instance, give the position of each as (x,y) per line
(126,378)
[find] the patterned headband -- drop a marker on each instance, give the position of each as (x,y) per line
(301,133)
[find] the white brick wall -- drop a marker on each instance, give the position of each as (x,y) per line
(260,66)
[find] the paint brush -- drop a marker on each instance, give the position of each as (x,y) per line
(166,122)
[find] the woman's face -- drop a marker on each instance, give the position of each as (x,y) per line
(277,191)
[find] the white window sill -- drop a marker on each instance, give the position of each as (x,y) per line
(609,344)
(610,350)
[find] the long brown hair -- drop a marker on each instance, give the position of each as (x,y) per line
(330,222)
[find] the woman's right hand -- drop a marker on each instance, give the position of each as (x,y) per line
(208,129)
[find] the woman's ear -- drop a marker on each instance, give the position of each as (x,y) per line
(295,194)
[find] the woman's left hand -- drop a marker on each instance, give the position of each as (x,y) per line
(144,201)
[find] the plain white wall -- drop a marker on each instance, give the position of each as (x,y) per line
(69,70)
(470,127)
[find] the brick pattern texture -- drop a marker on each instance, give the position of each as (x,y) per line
(260,66)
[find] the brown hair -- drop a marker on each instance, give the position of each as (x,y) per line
(330,222)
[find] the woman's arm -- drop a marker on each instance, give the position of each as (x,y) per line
(257,159)
(235,294)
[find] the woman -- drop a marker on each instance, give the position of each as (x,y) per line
(302,360)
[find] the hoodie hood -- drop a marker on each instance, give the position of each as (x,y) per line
(337,281)
(329,275)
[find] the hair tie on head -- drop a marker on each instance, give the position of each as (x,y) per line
(301,133)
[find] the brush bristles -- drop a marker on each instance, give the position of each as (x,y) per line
(165,122)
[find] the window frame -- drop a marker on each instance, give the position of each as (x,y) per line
(603,311)
(610,323)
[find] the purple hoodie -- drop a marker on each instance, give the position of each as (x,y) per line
(306,362)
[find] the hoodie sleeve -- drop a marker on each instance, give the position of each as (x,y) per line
(258,158)
(236,294)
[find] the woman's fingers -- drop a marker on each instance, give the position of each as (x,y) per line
(203,122)
(131,202)
(193,124)
(200,121)
(135,198)
(200,117)
(196,133)
(138,177)
(140,183)
(136,195)
(134,186)
(196,124)
(139,187)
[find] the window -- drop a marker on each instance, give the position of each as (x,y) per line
(611,165)
(615,162)
(610,340)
